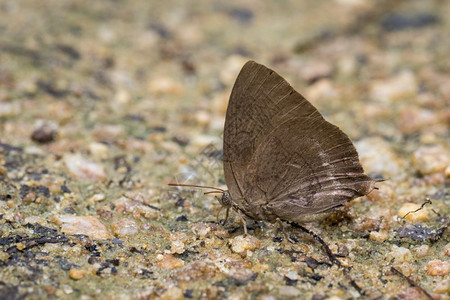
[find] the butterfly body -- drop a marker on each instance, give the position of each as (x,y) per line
(282,159)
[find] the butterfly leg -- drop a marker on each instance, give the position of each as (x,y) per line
(218,215)
(226,214)
(283,228)
(243,222)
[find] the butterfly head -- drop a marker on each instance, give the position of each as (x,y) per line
(225,200)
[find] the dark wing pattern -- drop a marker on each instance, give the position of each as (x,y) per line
(281,157)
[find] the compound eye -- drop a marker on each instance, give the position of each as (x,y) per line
(226,199)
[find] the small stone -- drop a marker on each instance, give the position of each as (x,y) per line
(124,227)
(410,293)
(442,287)
(369,150)
(202,141)
(108,133)
(292,275)
(413,119)
(165,85)
(378,236)
(399,254)
(231,69)
(83,168)
(99,150)
(44,132)
(321,90)
(136,208)
(197,270)
(177,247)
(97,198)
(446,249)
(406,268)
(203,118)
(422,250)
(173,293)
(20,246)
(169,262)
(431,159)
(76,273)
(9,109)
(401,86)
(315,70)
(266,297)
(86,225)
(241,244)
(288,291)
(122,96)
(407,212)
(4,256)
(438,267)
(383,193)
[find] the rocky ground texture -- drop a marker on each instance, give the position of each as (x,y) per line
(103,103)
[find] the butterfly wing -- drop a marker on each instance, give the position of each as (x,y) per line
(281,158)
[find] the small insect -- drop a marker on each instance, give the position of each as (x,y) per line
(282,160)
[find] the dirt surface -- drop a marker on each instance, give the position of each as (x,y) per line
(103,103)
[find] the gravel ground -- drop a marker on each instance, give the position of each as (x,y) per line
(103,103)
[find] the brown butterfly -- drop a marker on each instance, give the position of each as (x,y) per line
(282,160)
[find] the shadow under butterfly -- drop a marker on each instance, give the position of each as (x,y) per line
(282,160)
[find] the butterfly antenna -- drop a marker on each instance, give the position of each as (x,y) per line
(217,190)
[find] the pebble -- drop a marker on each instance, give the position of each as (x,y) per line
(398,87)
(202,141)
(442,287)
(4,256)
(314,70)
(164,85)
(76,273)
(87,225)
(44,132)
(178,239)
(369,150)
(413,119)
(172,293)
(384,193)
(407,212)
(122,96)
(321,90)
(137,209)
(177,247)
(431,159)
(97,198)
(241,244)
(8,110)
(203,118)
(82,168)
(169,262)
(231,68)
(292,275)
(288,291)
(446,249)
(98,150)
(197,270)
(422,251)
(378,236)
(108,133)
(203,229)
(399,254)
(124,227)
(438,267)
